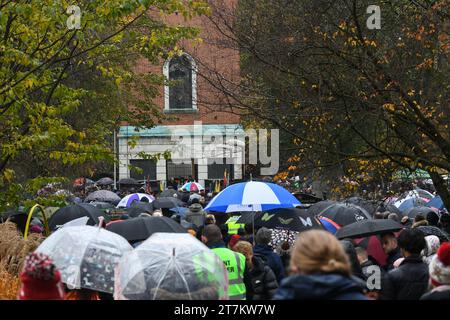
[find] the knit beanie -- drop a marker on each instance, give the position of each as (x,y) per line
(440,266)
(40,279)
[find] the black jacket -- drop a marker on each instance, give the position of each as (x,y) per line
(263,280)
(437,294)
(408,282)
(319,287)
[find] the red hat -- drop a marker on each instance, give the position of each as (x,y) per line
(233,240)
(40,279)
(440,266)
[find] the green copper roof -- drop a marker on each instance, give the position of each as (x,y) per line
(181,130)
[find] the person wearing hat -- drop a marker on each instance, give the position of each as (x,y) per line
(196,215)
(439,269)
(40,280)
(266,253)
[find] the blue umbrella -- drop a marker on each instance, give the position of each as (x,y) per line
(182,211)
(407,204)
(252,196)
(437,203)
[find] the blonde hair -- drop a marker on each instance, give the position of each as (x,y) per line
(246,249)
(318,251)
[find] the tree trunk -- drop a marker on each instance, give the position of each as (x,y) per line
(441,188)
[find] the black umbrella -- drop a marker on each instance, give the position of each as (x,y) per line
(415,211)
(366,228)
(75,211)
(168,193)
(103,196)
(306,198)
(435,231)
(105,181)
(141,228)
(360,202)
(138,207)
(383,207)
(344,213)
(102,205)
(287,218)
(167,203)
(319,206)
(129,181)
(246,217)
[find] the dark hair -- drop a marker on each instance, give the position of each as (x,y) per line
(433,218)
(248,228)
(418,218)
(224,229)
(241,232)
(212,233)
(412,240)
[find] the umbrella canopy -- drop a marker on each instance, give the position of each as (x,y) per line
(374,248)
(415,211)
(141,228)
(129,181)
(316,208)
(292,219)
(102,205)
(168,193)
(383,207)
(105,181)
(182,211)
(252,196)
(86,256)
(137,208)
(344,213)
(103,196)
(413,198)
(73,212)
(192,186)
(19,218)
(167,203)
(366,228)
(437,203)
(129,199)
(171,267)
(435,231)
(360,202)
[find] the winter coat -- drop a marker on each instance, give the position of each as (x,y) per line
(438,293)
(408,282)
(196,215)
(271,258)
(263,280)
(319,287)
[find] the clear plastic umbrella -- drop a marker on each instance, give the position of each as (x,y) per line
(86,256)
(171,266)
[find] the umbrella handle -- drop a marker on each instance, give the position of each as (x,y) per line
(30,214)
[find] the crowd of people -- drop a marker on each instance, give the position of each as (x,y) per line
(315,266)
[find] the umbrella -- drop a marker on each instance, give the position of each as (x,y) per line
(192,186)
(171,266)
(140,228)
(168,193)
(292,219)
(415,211)
(252,196)
(103,196)
(86,256)
(329,225)
(279,236)
(102,205)
(374,248)
(77,222)
(319,206)
(366,228)
(137,208)
(247,217)
(383,207)
(344,213)
(105,181)
(128,181)
(437,203)
(360,202)
(167,203)
(413,198)
(19,218)
(73,212)
(129,199)
(182,211)
(435,231)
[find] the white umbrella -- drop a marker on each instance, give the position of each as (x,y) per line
(86,256)
(171,266)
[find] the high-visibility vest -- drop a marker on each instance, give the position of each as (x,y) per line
(205,264)
(235,264)
(233,227)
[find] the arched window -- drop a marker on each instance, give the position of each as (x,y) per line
(181,95)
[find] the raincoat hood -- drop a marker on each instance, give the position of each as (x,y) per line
(196,207)
(319,286)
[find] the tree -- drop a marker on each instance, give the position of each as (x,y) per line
(362,102)
(64,90)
